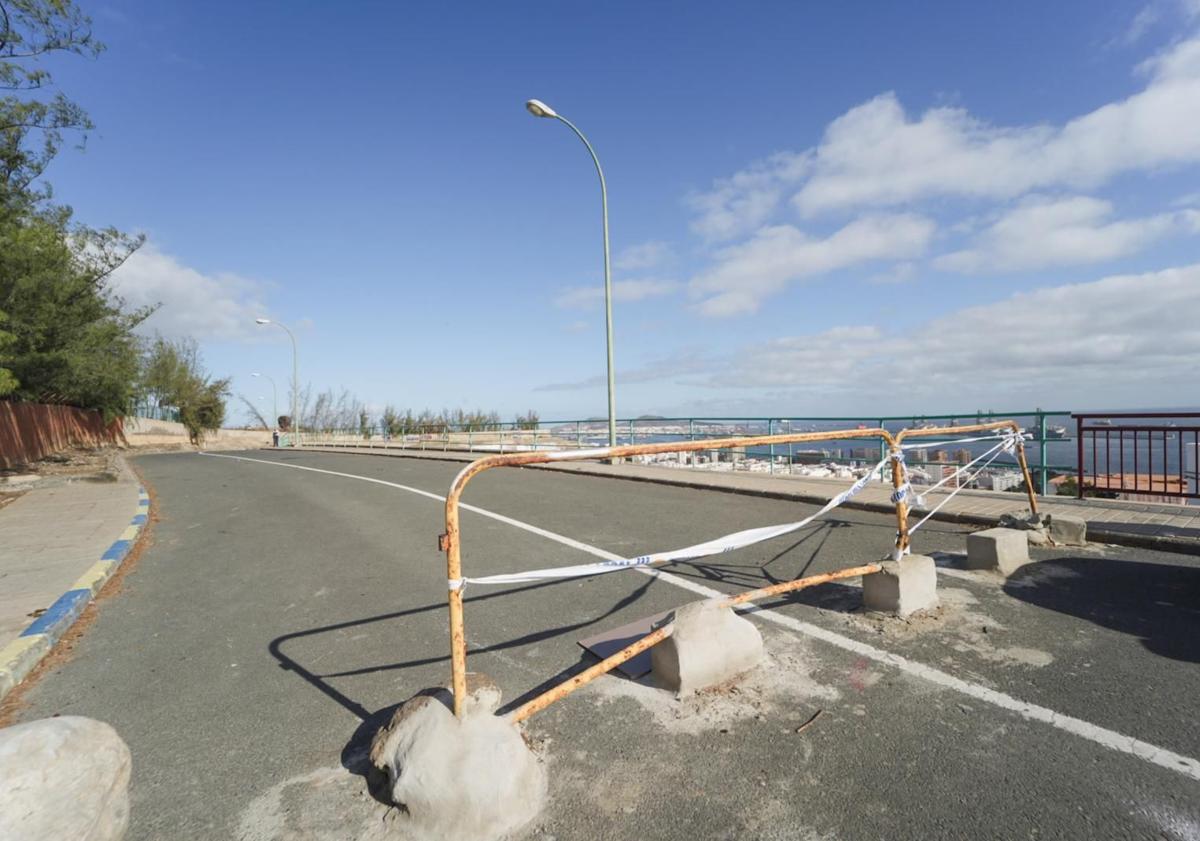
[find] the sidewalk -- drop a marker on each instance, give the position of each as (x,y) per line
(1174,528)
(59,542)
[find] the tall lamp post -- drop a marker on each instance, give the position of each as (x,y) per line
(540,109)
(295,376)
(274,397)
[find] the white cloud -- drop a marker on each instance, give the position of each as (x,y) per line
(1125,337)
(899,273)
(582,297)
(746,274)
(1142,22)
(1086,338)
(740,203)
(219,306)
(1065,231)
(646,255)
(875,155)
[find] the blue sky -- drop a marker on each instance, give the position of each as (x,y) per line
(815,208)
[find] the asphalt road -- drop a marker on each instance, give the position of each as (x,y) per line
(280,615)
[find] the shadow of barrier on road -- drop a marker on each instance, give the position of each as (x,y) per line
(1115,594)
(1007,433)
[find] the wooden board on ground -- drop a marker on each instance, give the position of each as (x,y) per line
(609,642)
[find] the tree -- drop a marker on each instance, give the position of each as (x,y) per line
(254,412)
(66,338)
(8,382)
(174,375)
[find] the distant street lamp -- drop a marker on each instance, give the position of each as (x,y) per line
(295,375)
(274,398)
(540,109)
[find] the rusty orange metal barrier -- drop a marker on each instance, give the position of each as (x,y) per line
(656,636)
(451,543)
(904,434)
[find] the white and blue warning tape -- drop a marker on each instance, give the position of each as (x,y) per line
(728,543)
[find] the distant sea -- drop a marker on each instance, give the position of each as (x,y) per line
(1061,453)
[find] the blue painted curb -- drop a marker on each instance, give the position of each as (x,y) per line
(19,657)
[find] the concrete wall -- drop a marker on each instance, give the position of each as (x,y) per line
(32,431)
(146,432)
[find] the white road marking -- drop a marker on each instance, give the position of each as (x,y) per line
(1102,736)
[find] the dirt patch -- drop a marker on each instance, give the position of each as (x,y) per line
(782,680)
(328,804)
(93,463)
(958,617)
(64,649)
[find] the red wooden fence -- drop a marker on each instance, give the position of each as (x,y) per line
(31,431)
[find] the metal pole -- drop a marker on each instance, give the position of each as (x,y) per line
(1045,479)
(901,507)
(771,449)
(274,397)
(295,384)
(608,329)
(295,377)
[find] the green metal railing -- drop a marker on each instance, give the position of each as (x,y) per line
(153,412)
(1046,426)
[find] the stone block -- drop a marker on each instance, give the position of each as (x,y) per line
(472,777)
(1068,531)
(1005,550)
(709,646)
(65,777)
(903,587)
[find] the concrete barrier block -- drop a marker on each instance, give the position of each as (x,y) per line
(472,777)
(1005,550)
(1067,530)
(903,587)
(709,646)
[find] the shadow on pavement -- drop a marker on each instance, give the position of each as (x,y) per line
(1158,603)
(320,681)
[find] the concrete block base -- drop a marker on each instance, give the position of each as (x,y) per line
(709,646)
(1005,550)
(472,777)
(903,587)
(1068,531)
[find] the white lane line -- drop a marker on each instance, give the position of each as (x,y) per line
(1102,736)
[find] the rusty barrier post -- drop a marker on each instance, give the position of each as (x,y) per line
(898,471)
(451,542)
(659,634)
(982,427)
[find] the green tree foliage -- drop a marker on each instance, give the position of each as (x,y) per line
(174,375)
(66,338)
(8,383)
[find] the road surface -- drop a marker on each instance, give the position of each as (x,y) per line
(280,614)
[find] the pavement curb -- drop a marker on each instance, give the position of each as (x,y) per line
(1096,534)
(22,655)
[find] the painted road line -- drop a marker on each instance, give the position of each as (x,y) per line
(1102,736)
(21,656)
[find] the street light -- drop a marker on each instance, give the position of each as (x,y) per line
(540,109)
(274,397)
(295,375)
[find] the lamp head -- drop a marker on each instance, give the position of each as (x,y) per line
(262,321)
(539,109)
